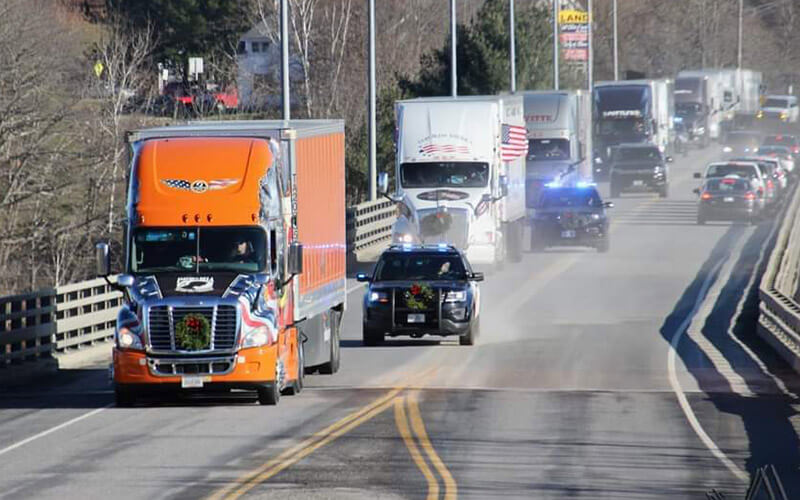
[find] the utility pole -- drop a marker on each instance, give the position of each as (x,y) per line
(741,15)
(453,62)
(512,48)
(591,48)
(616,45)
(373,170)
(285,59)
(556,9)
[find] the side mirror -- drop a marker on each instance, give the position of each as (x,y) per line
(669,159)
(503,186)
(102,259)
(477,277)
(363,278)
(125,280)
(383,183)
(697,175)
(295,261)
(608,204)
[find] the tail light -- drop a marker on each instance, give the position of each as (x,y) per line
(796,149)
(749,196)
(705,196)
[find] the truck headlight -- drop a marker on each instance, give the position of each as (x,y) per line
(784,115)
(256,337)
(456,296)
(404,238)
(700,130)
(127,339)
(727,149)
(760,114)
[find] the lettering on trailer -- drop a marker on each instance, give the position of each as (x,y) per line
(622,113)
(436,145)
(539,118)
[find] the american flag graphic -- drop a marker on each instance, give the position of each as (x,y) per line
(514,142)
(222,183)
(187,185)
(430,149)
(177,184)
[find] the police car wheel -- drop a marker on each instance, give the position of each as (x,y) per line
(372,337)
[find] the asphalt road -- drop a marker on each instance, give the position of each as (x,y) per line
(575,391)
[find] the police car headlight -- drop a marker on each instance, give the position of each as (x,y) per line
(456,296)
(595,216)
(382,297)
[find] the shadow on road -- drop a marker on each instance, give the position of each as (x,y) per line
(765,417)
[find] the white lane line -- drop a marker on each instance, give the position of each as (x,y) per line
(676,386)
(53,429)
(355,287)
(698,321)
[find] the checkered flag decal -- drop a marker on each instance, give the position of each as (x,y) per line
(177,184)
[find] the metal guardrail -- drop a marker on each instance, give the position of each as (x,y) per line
(779,311)
(55,321)
(52,322)
(370,224)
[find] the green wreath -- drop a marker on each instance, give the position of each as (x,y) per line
(419,297)
(193,333)
(436,223)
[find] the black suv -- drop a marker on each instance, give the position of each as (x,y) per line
(570,216)
(421,290)
(639,166)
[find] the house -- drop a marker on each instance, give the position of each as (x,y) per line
(259,70)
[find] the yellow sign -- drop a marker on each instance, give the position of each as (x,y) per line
(98,68)
(573,17)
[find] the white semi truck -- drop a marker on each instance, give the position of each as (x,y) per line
(460,169)
(632,111)
(559,127)
(700,104)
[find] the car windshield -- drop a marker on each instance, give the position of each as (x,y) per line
(722,170)
(444,174)
(569,197)
(727,185)
(634,154)
(775,102)
(784,150)
(419,266)
(198,249)
(548,149)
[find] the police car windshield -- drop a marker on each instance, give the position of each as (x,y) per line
(462,174)
(198,249)
(419,266)
(569,197)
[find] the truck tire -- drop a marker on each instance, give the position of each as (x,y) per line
(124,397)
(613,191)
(513,238)
(332,366)
(604,245)
(537,245)
(371,337)
(269,395)
(663,191)
(296,386)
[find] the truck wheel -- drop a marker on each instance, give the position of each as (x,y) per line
(604,245)
(296,386)
(663,191)
(332,366)
(614,191)
(471,337)
(514,241)
(124,397)
(269,395)
(371,337)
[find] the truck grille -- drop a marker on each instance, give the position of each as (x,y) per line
(162,321)
(453,229)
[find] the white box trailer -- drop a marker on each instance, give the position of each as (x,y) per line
(559,127)
(461,174)
(700,103)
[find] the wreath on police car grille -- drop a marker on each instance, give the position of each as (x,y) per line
(193,333)
(437,223)
(419,297)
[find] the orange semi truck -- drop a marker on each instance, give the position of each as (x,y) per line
(234,258)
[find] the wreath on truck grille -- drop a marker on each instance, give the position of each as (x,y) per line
(193,333)
(436,223)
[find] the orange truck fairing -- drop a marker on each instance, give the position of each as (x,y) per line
(199,316)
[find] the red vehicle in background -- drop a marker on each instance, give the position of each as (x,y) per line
(201,99)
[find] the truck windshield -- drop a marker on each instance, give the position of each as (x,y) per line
(548,149)
(198,249)
(688,108)
(463,174)
(776,103)
(402,267)
(621,102)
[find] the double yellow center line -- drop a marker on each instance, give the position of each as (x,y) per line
(416,429)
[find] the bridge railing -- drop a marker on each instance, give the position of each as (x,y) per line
(55,322)
(779,310)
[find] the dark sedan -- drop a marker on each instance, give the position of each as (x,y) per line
(422,290)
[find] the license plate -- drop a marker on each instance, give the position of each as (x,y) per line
(568,234)
(416,318)
(728,199)
(193,382)
(638,183)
